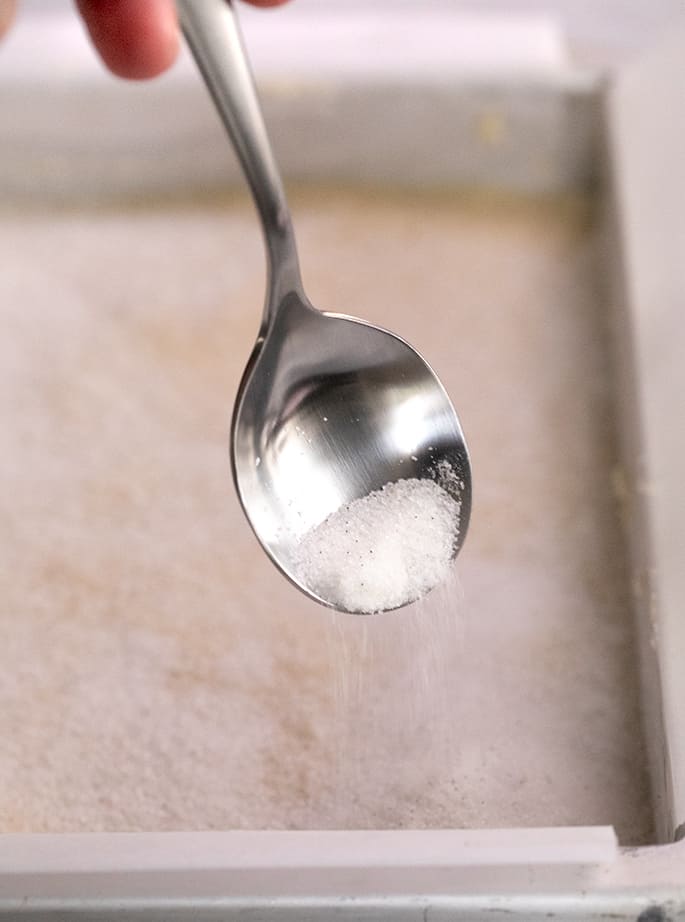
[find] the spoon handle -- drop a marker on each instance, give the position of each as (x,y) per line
(211,30)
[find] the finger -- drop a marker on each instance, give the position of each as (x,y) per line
(7,11)
(135,38)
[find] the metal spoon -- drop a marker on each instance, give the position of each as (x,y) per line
(330,408)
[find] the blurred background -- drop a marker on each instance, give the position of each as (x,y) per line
(325,69)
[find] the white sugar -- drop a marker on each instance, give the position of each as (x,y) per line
(382,551)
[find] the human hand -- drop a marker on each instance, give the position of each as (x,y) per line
(135,38)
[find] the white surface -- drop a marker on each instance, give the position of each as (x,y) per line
(647,122)
(602,34)
(301,42)
(573,874)
(410,849)
(420,97)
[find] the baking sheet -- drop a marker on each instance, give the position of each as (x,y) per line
(158,674)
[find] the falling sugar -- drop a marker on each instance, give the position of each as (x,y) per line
(396,713)
(384,550)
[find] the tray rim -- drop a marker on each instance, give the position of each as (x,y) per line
(572,873)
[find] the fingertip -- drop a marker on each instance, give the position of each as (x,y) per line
(8,9)
(135,40)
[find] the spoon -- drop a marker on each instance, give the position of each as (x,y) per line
(330,408)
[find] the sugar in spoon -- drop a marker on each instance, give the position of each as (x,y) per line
(330,408)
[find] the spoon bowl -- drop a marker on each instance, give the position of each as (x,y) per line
(330,409)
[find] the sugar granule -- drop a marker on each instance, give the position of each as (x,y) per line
(384,550)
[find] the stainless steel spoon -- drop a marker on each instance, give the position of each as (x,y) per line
(330,408)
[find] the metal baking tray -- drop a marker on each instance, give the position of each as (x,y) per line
(544,699)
